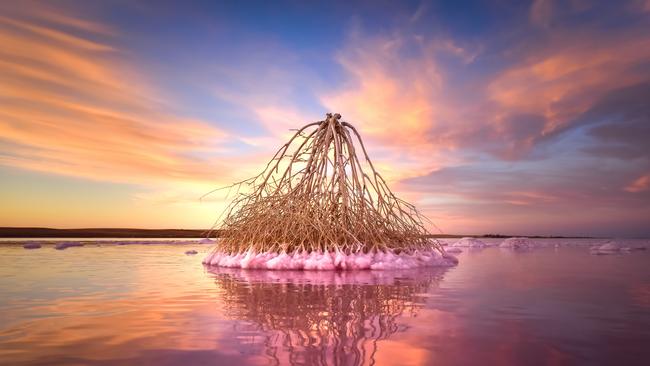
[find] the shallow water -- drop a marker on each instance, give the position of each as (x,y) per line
(153,304)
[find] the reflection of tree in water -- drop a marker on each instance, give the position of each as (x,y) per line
(324,317)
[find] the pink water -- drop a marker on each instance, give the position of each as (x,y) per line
(153,304)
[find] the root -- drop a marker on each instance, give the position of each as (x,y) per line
(321,193)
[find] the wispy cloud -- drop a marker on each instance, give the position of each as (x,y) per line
(394,93)
(640,184)
(567,77)
(72,105)
(583,83)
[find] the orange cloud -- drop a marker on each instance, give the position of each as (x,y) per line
(414,114)
(69,107)
(388,96)
(641,184)
(565,79)
(395,101)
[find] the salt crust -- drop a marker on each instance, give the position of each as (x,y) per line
(469,242)
(614,248)
(331,260)
(453,249)
(68,244)
(517,243)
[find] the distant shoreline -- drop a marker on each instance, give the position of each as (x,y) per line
(41,232)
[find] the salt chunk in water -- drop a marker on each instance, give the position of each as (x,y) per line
(68,244)
(469,243)
(517,243)
(607,248)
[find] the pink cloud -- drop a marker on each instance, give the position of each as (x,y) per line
(640,184)
(567,78)
(403,98)
(396,101)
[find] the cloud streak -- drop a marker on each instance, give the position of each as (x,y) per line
(70,106)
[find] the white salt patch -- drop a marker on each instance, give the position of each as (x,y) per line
(517,243)
(609,247)
(454,249)
(330,260)
(469,243)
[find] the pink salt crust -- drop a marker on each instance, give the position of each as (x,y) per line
(331,260)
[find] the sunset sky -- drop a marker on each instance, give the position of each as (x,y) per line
(492,117)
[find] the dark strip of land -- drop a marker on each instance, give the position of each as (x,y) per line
(42,232)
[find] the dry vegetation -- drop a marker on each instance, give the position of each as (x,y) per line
(321,192)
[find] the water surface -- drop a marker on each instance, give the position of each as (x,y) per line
(153,304)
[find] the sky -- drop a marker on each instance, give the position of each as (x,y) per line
(508,117)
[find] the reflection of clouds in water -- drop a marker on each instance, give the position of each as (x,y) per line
(317,317)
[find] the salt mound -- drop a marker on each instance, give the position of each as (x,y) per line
(331,260)
(517,243)
(469,243)
(156,242)
(67,244)
(453,249)
(207,241)
(607,248)
(191,252)
(634,248)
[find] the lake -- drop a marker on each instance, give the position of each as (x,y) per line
(104,304)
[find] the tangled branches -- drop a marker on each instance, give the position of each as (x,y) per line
(321,193)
